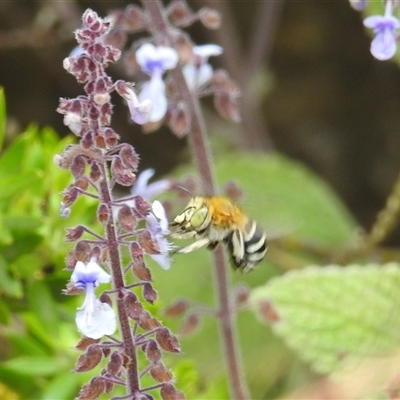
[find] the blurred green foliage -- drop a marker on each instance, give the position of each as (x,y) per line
(37,328)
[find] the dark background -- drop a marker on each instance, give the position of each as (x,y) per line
(310,88)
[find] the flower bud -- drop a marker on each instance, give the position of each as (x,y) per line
(133,308)
(111,138)
(160,373)
(141,271)
(122,175)
(179,119)
(70,194)
(103,213)
(126,218)
(169,392)
(242,293)
(147,322)
(89,359)
(191,324)
(268,311)
(227,106)
(114,366)
(105,298)
(78,166)
(82,251)
(177,309)
(129,157)
(167,340)
(211,19)
(149,293)
(153,353)
(85,342)
(87,140)
(92,390)
(146,242)
(95,173)
(179,12)
(134,18)
(74,233)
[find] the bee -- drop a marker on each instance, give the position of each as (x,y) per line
(214,220)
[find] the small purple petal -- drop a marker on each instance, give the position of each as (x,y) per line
(149,191)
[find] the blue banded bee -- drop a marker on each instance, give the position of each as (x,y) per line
(217,219)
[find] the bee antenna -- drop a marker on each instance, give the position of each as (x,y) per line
(184,190)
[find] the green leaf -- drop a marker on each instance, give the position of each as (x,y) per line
(335,316)
(36,366)
(8,285)
(64,386)
(2,116)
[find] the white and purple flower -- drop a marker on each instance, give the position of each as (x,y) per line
(383,46)
(199,72)
(154,61)
(94,319)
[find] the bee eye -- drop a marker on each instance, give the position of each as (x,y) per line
(199,217)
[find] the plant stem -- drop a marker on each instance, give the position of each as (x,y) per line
(133,385)
(203,162)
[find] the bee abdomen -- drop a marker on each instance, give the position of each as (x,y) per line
(247,249)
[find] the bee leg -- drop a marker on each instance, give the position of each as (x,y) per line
(212,245)
(194,246)
(185,235)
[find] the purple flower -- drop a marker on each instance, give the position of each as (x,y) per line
(383,46)
(199,71)
(140,111)
(157,224)
(94,319)
(154,61)
(148,191)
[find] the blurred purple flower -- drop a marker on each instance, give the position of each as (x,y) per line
(383,46)
(94,319)
(199,72)
(149,191)
(154,61)
(157,224)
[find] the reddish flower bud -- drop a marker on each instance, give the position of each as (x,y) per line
(211,19)
(147,243)
(177,309)
(89,359)
(126,218)
(110,137)
(142,207)
(227,106)
(85,342)
(153,353)
(149,293)
(100,142)
(78,166)
(160,373)
(129,157)
(179,119)
(268,311)
(70,194)
(81,183)
(191,324)
(114,366)
(179,12)
(134,18)
(82,251)
(167,340)
(74,233)
(122,175)
(147,322)
(169,392)
(92,390)
(87,140)
(133,308)
(105,298)
(95,173)
(103,213)
(242,293)
(141,271)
